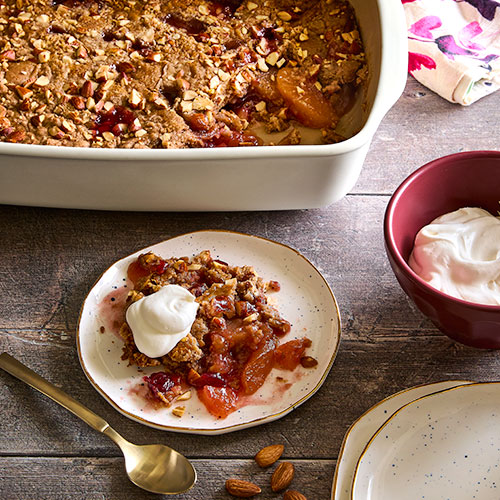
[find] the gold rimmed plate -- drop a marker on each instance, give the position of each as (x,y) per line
(362,430)
(305,299)
(442,445)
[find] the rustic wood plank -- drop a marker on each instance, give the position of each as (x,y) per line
(364,373)
(420,127)
(100,478)
(54,256)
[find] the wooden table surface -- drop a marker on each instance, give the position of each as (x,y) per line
(50,258)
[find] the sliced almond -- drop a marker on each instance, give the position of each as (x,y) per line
(185,396)
(179,411)
(284,16)
(251,318)
(44,56)
(135,99)
(23,92)
(42,81)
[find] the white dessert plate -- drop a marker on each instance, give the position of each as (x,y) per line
(442,446)
(305,299)
(365,426)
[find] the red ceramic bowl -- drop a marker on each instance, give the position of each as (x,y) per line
(470,179)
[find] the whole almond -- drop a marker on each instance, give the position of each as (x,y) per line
(87,89)
(268,455)
(241,489)
(282,476)
(293,495)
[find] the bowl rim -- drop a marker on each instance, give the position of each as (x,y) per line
(390,243)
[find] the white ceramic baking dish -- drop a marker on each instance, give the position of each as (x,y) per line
(254,178)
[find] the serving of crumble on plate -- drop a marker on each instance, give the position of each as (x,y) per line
(304,299)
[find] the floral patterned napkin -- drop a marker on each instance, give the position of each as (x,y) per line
(454,46)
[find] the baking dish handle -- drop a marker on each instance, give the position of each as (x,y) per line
(394,68)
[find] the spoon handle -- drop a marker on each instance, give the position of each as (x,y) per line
(22,372)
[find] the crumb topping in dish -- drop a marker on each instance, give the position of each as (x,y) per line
(234,342)
(171,74)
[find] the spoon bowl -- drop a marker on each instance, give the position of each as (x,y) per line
(155,467)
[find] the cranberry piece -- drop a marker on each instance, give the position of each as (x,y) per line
(160,268)
(274,286)
(230,138)
(109,36)
(144,48)
(53,28)
(269,34)
(170,94)
(244,106)
(106,121)
(141,45)
(161,383)
(343,47)
(192,27)
(224,8)
(198,290)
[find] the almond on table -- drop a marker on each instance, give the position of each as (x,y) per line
(282,476)
(269,455)
(293,495)
(242,489)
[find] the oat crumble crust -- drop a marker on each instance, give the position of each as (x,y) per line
(172,74)
(224,293)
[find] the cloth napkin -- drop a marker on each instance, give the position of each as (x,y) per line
(454,47)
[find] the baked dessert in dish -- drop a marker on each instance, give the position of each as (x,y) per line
(171,74)
(232,342)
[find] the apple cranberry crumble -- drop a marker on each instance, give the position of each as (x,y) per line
(234,342)
(175,74)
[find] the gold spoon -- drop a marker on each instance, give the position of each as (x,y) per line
(153,467)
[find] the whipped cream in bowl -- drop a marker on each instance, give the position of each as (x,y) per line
(160,320)
(459,254)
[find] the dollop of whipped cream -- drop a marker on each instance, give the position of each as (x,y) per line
(160,320)
(459,254)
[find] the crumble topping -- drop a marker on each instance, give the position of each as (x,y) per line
(234,342)
(171,74)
